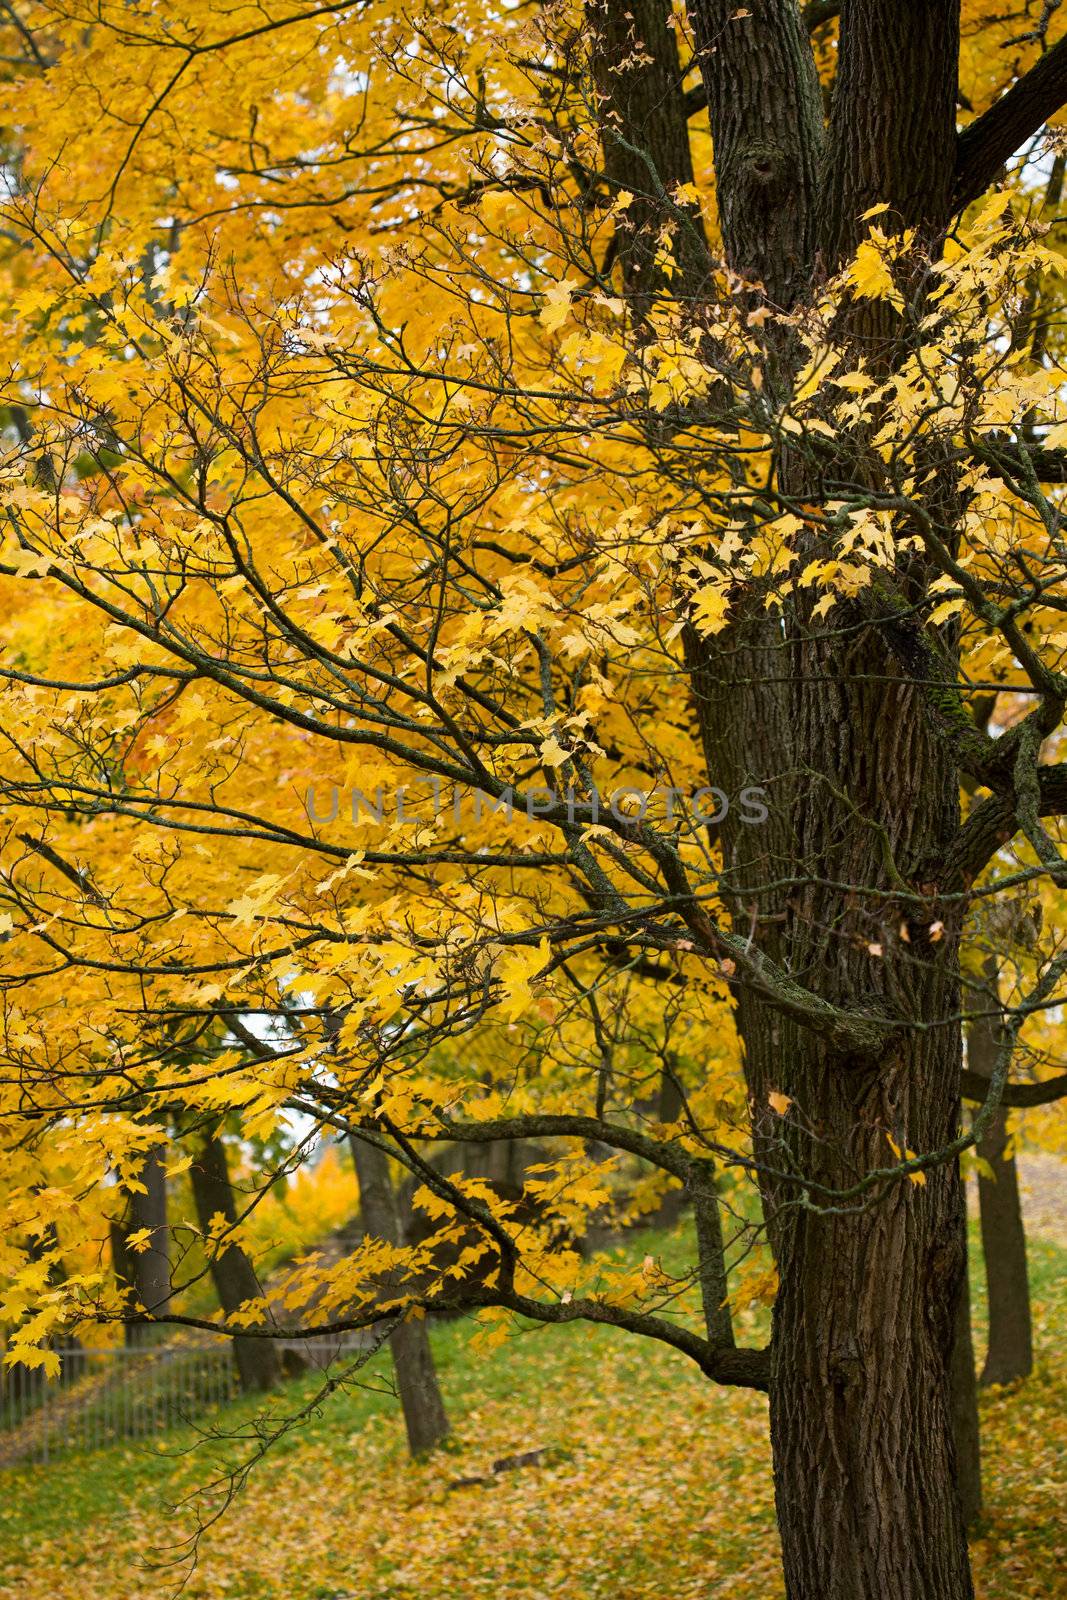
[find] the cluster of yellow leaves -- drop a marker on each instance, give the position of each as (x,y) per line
(333,486)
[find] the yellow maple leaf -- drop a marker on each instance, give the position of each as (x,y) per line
(516,969)
(557,304)
(710,608)
(870,277)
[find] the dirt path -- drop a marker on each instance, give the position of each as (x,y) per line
(1044,1190)
(1043,1180)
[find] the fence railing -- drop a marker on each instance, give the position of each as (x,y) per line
(131,1393)
(111,1395)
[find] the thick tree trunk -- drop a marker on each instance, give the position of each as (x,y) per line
(416,1377)
(864,801)
(1010,1351)
(861,1389)
(258,1364)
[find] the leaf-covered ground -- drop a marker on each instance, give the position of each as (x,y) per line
(656,1486)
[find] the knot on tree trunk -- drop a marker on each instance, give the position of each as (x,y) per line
(760,170)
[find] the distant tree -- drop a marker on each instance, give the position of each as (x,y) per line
(416,1376)
(234,1276)
(140,1244)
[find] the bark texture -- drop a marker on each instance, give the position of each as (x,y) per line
(643,121)
(965,1425)
(234,1277)
(416,1377)
(892,135)
(861,1398)
(756,63)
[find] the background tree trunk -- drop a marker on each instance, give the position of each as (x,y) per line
(416,1377)
(146,1271)
(1010,1351)
(258,1363)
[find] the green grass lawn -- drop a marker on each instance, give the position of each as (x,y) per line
(656,1485)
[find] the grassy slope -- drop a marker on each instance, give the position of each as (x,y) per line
(657,1488)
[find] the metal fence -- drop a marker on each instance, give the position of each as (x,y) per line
(130,1394)
(112,1395)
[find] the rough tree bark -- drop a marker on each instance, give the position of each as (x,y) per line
(861,1398)
(862,1405)
(258,1364)
(416,1377)
(637,78)
(1009,1352)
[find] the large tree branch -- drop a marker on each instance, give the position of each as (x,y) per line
(892,120)
(739,1368)
(1009,460)
(716,1355)
(642,116)
(983,148)
(995,820)
(720,1359)
(1016,1096)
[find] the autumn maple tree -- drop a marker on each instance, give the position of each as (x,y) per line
(531,588)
